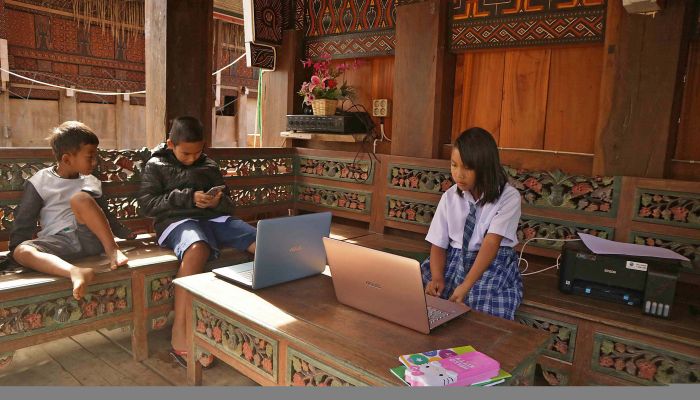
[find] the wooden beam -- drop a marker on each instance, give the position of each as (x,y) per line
(423,80)
(280,87)
(178,64)
(67,106)
(641,90)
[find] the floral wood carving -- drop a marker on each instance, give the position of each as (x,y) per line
(596,194)
(13,173)
(159,288)
(121,165)
(40,314)
(123,207)
(7,216)
(262,195)
(686,247)
(562,335)
(340,170)
(335,198)
(304,371)
(420,179)
(554,377)
(680,209)
(256,166)
(642,363)
(236,339)
(530,228)
(409,211)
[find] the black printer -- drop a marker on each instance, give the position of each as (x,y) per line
(648,282)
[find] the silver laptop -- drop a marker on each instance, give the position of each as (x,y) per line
(287,248)
(386,285)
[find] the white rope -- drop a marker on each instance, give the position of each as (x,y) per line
(97,92)
(234,61)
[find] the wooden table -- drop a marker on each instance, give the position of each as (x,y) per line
(297,333)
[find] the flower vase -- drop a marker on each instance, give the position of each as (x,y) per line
(324,106)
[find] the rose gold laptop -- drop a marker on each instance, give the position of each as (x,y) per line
(386,285)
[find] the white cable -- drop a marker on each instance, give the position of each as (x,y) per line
(97,92)
(234,61)
(381,129)
(527,265)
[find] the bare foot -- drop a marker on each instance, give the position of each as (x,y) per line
(117,259)
(81,278)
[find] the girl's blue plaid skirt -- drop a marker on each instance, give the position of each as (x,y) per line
(498,292)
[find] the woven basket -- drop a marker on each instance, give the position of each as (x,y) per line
(324,106)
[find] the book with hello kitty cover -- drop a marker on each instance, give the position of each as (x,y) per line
(487,377)
(460,370)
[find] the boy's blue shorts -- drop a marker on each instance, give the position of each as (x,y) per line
(232,233)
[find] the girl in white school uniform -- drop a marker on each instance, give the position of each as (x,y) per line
(474,230)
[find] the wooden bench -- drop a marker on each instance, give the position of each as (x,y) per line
(35,308)
(394,198)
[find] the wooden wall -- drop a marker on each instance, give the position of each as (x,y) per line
(688,143)
(543,99)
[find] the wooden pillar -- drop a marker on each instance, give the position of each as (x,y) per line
(279,88)
(67,106)
(5,128)
(178,64)
(641,89)
(423,81)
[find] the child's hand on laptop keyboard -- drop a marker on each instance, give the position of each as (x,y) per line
(460,293)
(435,286)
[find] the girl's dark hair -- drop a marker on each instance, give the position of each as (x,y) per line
(479,152)
(69,136)
(186,129)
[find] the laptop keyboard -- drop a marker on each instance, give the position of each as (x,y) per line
(435,314)
(248,275)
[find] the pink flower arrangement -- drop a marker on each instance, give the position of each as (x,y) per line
(324,81)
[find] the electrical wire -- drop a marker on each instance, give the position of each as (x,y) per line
(527,265)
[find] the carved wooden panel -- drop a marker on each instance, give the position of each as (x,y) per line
(274,166)
(642,363)
(159,288)
(419,179)
(335,198)
(6,359)
(263,21)
(250,196)
(303,370)
(562,335)
(524,373)
(598,195)
(408,210)
(121,165)
(554,376)
(123,207)
(360,171)
(158,322)
(531,227)
(13,173)
(670,208)
(260,56)
(7,215)
(52,311)
(687,247)
(237,340)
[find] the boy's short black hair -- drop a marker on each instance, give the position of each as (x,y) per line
(479,151)
(69,136)
(186,129)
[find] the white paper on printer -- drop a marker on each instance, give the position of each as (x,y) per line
(604,246)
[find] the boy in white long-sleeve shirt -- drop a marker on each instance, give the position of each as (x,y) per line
(74,220)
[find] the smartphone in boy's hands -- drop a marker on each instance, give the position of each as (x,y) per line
(215,190)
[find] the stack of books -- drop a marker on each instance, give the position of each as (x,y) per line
(456,366)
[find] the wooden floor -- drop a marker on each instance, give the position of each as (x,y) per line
(102,358)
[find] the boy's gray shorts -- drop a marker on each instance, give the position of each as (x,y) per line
(68,245)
